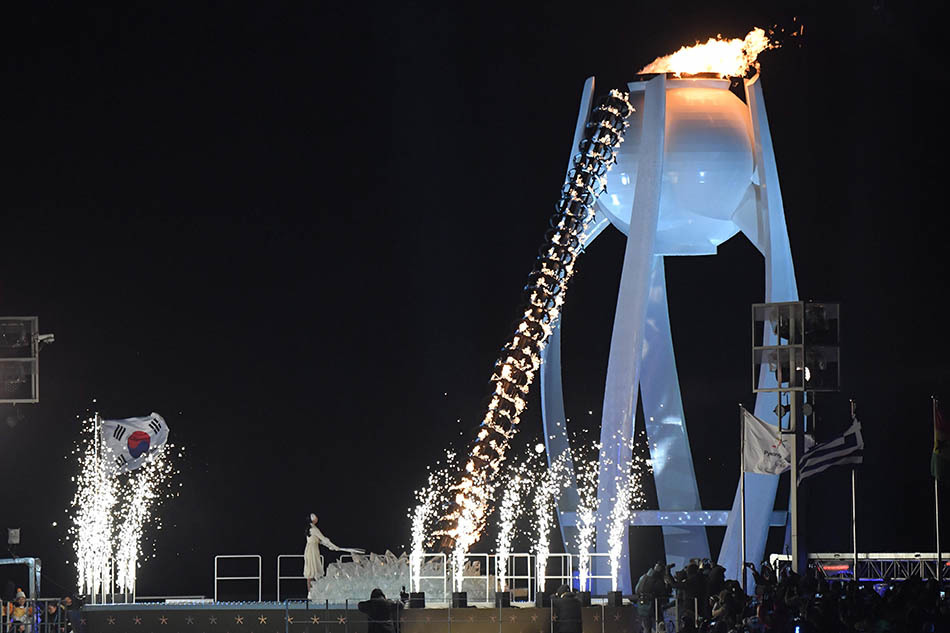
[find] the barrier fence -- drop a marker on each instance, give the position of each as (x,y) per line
(37,617)
(218,578)
(520,577)
(435,573)
(299,576)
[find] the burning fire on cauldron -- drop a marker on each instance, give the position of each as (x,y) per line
(720,56)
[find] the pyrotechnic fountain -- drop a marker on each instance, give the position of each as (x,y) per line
(112,505)
(507,520)
(430,505)
(588,504)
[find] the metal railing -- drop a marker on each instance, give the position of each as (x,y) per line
(520,579)
(443,576)
(592,576)
(38,618)
(566,567)
(513,577)
(871,565)
(218,578)
(485,575)
(281,557)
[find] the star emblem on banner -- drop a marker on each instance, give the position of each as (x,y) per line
(617,617)
(189,620)
(290,619)
(534,618)
(82,621)
(492,618)
(513,618)
(262,619)
(212,620)
(314,619)
(110,620)
(239,619)
(137,620)
(596,618)
(341,620)
(163,620)
(471,618)
(428,618)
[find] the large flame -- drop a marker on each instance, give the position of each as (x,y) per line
(726,58)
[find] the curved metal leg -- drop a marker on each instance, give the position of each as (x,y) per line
(666,427)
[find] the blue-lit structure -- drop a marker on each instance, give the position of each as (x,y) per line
(697,167)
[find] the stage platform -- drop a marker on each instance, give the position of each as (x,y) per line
(303,617)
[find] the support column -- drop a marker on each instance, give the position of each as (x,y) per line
(626,344)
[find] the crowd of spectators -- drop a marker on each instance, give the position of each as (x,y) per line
(787,602)
(20,615)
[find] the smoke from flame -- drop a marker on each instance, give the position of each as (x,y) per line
(727,58)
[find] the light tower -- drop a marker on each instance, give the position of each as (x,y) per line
(696,168)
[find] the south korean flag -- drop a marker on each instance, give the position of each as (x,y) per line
(128,442)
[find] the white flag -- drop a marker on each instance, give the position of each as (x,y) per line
(128,442)
(765,450)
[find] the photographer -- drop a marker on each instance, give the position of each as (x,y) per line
(654,585)
(725,610)
(764,580)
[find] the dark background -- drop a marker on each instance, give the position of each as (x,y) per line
(300,234)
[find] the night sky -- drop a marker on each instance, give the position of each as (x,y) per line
(301,234)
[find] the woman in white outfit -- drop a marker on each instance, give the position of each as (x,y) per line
(312,566)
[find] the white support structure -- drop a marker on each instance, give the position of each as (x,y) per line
(697,167)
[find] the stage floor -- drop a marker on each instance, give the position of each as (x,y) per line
(296,617)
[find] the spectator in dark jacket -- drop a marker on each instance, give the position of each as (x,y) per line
(383,614)
(567,611)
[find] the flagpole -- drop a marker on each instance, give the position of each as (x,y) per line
(100,573)
(742,494)
(854,509)
(933,400)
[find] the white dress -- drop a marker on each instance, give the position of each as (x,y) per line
(312,565)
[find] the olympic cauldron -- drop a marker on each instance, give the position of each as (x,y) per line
(696,167)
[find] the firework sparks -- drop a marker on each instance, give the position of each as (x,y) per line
(586,473)
(548,484)
(91,530)
(629,494)
(520,358)
(522,473)
(142,490)
(507,522)
(430,504)
(105,529)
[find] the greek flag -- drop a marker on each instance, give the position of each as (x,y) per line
(844,449)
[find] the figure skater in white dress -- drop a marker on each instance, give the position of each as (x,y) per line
(312,566)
